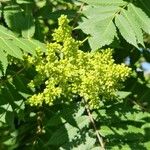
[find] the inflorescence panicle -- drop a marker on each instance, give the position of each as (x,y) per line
(67,71)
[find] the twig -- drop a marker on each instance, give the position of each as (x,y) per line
(78,15)
(94,125)
(17,73)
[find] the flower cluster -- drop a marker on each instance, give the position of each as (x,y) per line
(66,72)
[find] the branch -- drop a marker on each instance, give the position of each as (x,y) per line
(94,125)
(78,14)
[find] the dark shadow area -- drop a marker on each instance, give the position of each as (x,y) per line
(124,124)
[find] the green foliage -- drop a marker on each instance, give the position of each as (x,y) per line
(124,129)
(105,17)
(18,17)
(13,46)
(121,25)
(11,43)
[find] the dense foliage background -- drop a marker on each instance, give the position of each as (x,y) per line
(124,123)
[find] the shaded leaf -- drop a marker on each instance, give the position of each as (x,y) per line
(139,15)
(28,27)
(13,17)
(104,2)
(126,30)
(10,44)
(68,132)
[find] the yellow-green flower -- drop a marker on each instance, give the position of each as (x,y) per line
(67,71)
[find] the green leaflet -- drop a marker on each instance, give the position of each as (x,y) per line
(145,5)
(123,94)
(102,30)
(103,37)
(88,144)
(11,99)
(10,48)
(5,111)
(99,26)
(28,29)
(20,21)
(24,1)
(59,137)
(101,10)
(104,2)
(3,58)
(126,30)
(101,15)
(64,116)
(14,17)
(124,127)
(10,44)
(134,25)
(96,148)
(142,19)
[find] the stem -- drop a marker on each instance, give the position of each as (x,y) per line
(94,125)
(17,73)
(78,14)
(85,39)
